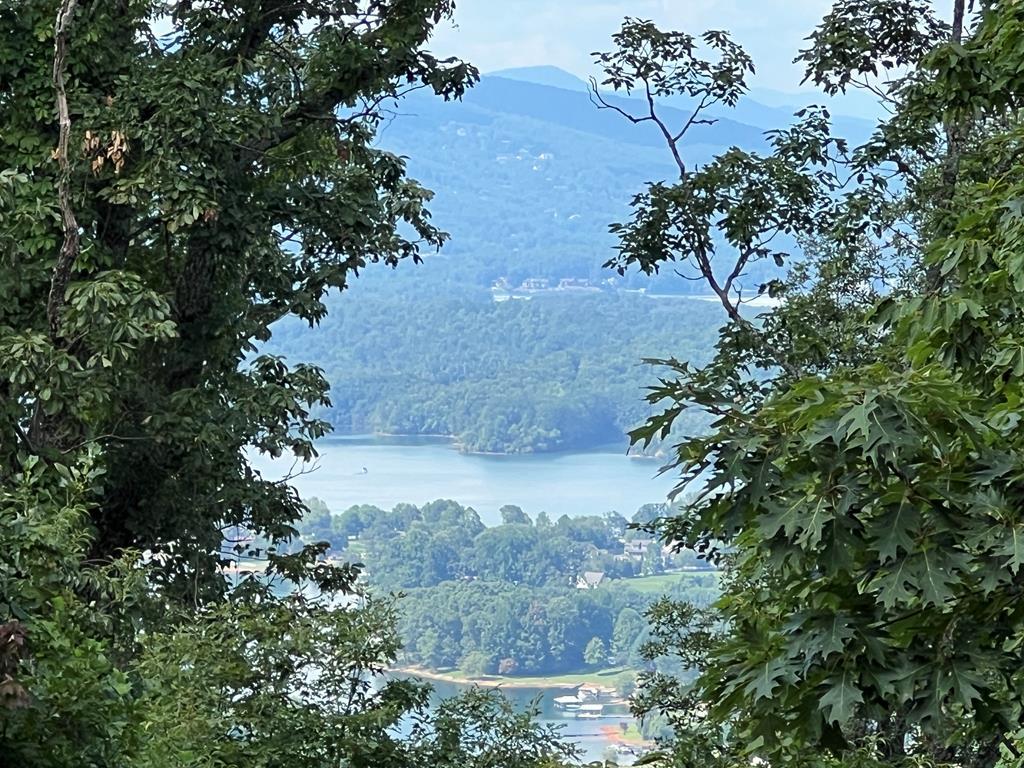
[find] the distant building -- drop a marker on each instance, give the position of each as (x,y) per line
(637,548)
(535,284)
(574,282)
(589,580)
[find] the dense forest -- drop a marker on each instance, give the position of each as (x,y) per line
(558,371)
(508,598)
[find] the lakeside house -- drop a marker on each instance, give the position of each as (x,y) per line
(637,548)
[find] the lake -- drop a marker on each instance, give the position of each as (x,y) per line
(588,735)
(418,470)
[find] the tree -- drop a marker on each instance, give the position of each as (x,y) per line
(507,553)
(513,515)
(182,160)
(629,626)
(858,489)
(652,562)
(477,664)
(595,654)
(175,178)
(616,523)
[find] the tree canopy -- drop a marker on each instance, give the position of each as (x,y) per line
(174,178)
(861,477)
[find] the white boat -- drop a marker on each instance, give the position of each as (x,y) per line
(569,703)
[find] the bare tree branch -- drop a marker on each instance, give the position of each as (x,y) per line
(673,143)
(599,101)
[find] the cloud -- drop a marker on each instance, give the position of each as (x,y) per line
(496,34)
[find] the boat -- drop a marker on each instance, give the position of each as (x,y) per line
(568,703)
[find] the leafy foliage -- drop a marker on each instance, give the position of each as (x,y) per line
(861,488)
(220,216)
(214,172)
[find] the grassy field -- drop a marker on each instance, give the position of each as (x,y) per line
(662,582)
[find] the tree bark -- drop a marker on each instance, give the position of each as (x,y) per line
(70,249)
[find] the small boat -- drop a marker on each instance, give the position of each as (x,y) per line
(569,703)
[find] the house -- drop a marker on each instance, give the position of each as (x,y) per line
(573,282)
(637,548)
(589,580)
(535,284)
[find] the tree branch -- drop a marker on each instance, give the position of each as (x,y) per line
(599,101)
(673,143)
(70,249)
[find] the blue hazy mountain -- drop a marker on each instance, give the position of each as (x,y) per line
(529,174)
(543,75)
(853,114)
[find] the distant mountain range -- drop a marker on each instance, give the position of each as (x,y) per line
(529,173)
(762,106)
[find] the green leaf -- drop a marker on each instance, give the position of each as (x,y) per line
(966,683)
(834,639)
(893,584)
(932,574)
(768,677)
(1013,548)
(841,698)
(894,531)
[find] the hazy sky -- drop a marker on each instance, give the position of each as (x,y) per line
(496,34)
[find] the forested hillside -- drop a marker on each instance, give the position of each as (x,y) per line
(527,176)
(560,370)
(508,598)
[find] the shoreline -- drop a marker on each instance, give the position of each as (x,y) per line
(454,444)
(616,736)
(498,681)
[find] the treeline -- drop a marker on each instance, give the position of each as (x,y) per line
(510,598)
(556,372)
(488,627)
(409,546)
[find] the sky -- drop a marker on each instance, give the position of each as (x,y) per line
(498,34)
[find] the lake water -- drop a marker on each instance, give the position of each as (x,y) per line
(418,470)
(589,736)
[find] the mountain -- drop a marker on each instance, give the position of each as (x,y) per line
(762,107)
(528,175)
(855,105)
(543,75)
